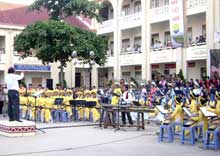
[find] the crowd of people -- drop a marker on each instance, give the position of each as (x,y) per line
(158,45)
(172,93)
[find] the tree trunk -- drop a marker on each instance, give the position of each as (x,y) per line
(62,75)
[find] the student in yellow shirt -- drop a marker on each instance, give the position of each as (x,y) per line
(67,98)
(87,98)
(95,112)
(117,93)
(81,111)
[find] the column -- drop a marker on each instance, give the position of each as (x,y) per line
(146,41)
(210,29)
(117,40)
(94,75)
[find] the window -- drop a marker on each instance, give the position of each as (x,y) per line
(126,76)
(190,35)
(110,48)
(125,45)
(126,9)
(166,2)
(2,44)
(137,6)
(204,30)
(166,38)
(138,77)
(154,3)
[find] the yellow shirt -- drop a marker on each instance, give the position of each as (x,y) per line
(177,114)
(193,107)
(115,99)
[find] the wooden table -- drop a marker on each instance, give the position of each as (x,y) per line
(110,111)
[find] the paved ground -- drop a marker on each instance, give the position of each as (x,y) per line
(93,141)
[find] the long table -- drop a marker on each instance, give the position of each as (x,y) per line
(108,114)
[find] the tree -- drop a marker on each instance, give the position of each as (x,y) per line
(59,9)
(55,40)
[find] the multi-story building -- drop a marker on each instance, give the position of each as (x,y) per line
(138,33)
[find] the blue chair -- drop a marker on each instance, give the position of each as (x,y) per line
(215,143)
(169,135)
(199,136)
(191,138)
(64,116)
(174,125)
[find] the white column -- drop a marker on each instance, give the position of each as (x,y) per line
(94,75)
(210,27)
(146,41)
(117,40)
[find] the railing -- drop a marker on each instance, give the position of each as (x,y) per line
(160,10)
(130,51)
(106,26)
(131,18)
(195,3)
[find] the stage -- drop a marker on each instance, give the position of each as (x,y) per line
(17,129)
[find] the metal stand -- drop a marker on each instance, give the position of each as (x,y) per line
(118,124)
(35,114)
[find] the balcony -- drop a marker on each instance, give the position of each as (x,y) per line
(106,27)
(130,58)
(163,56)
(131,21)
(196,6)
(159,14)
(111,61)
(197,53)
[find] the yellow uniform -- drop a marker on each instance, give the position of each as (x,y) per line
(115,99)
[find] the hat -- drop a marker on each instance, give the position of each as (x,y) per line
(48,92)
(193,95)
(87,92)
(56,91)
(117,83)
(69,91)
(153,83)
(170,84)
(93,91)
(79,93)
(177,100)
(142,84)
(132,84)
(196,83)
(217,93)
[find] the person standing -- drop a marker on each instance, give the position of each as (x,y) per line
(1,98)
(13,94)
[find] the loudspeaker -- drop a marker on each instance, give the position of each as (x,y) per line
(50,84)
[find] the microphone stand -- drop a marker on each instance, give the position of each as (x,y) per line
(35,114)
(118,124)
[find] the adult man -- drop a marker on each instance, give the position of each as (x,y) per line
(13,95)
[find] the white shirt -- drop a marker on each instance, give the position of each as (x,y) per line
(127,97)
(12,81)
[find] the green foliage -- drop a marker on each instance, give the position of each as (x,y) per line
(58,9)
(55,41)
(180,74)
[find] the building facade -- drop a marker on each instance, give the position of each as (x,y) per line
(13,19)
(138,33)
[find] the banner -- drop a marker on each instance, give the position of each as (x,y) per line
(19,67)
(215,64)
(176,23)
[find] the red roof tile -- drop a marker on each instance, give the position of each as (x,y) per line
(21,16)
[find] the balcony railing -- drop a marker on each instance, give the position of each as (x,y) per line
(106,26)
(163,10)
(130,51)
(195,3)
(132,20)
